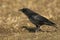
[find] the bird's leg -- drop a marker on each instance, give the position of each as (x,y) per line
(37,28)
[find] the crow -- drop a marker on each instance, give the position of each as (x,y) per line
(36,19)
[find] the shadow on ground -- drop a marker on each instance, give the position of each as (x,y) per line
(29,29)
(33,29)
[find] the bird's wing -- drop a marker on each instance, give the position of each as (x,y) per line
(39,18)
(44,20)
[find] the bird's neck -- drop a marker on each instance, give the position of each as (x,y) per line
(30,14)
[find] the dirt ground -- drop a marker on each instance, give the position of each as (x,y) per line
(14,25)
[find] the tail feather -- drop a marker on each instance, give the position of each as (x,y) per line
(51,24)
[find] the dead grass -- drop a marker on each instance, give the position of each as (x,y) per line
(11,20)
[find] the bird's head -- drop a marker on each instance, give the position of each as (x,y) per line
(23,10)
(27,11)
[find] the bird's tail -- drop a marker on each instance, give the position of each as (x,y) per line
(52,24)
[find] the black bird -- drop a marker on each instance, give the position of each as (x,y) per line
(36,19)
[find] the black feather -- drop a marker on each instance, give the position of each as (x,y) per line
(36,19)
